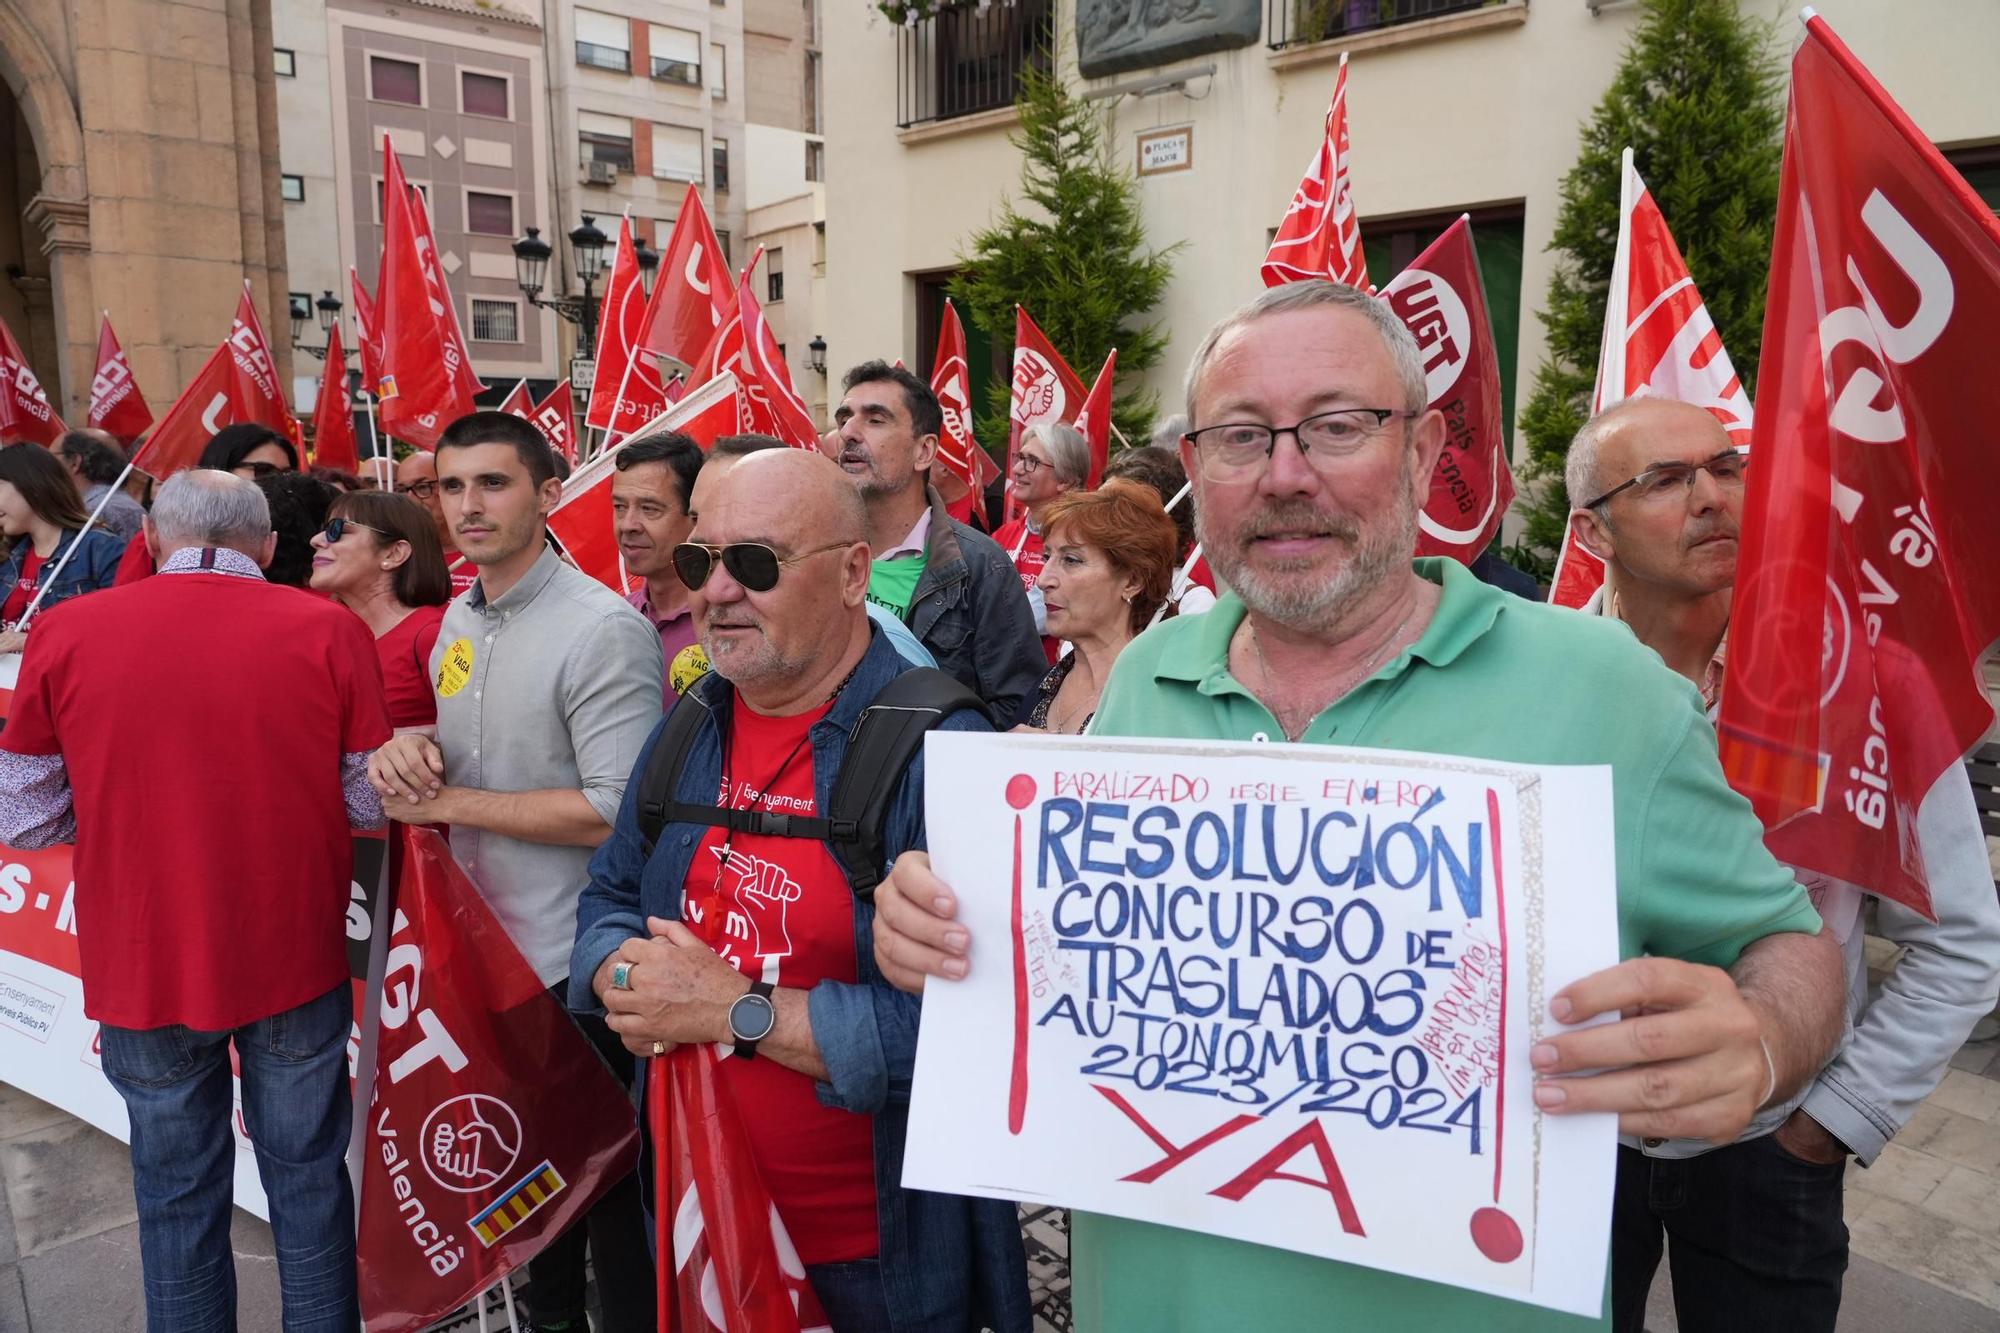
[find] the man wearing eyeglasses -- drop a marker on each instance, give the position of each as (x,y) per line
(547,684)
(1755,1229)
(417,477)
(750,934)
(1311,452)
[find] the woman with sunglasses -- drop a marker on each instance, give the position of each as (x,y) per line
(1053,460)
(379,557)
(42,516)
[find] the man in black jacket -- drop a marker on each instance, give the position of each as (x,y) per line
(949,583)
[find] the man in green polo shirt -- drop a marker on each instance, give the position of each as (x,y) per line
(1310,452)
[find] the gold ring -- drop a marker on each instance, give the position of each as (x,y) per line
(659,1048)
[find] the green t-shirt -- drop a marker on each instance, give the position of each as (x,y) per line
(893,583)
(1492,677)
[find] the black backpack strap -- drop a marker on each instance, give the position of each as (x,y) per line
(885,739)
(663,769)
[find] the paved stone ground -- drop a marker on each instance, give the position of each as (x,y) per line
(1925,1221)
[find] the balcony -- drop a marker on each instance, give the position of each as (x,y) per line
(1291,23)
(964,59)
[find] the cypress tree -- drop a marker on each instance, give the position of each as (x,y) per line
(1698,98)
(1073,250)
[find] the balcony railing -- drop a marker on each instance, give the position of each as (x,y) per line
(1296,22)
(968,58)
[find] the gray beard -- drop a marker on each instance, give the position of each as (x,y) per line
(1380,549)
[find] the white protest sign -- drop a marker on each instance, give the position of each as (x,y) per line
(1280,993)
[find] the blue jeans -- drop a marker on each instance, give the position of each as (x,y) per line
(852,1295)
(297,1107)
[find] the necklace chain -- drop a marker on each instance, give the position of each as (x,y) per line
(1366,669)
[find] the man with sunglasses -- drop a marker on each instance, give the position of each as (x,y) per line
(547,683)
(950,583)
(1755,1230)
(417,477)
(1311,452)
(751,935)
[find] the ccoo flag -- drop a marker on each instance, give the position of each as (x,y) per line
(25,411)
(1320,237)
(116,405)
(1441,299)
(1868,583)
(964,467)
(1044,389)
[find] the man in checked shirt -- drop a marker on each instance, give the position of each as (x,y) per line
(203,738)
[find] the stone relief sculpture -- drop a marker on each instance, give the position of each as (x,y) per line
(1117,35)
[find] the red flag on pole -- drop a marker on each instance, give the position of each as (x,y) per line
(768,380)
(1093,420)
(116,405)
(420,385)
(581,520)
(203,408)
(726,1262)
(556,415)
(334,444)
(25,412)
(691,297)
(1868,581)
(494,1125)
(1442,301)
(626,391)
(1658,340)
(367,335)
(1045,388)
(963,467)
(1320,237)
(257,394)
(457,353)
(519,401)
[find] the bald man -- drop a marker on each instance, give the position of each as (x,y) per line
(731,921)
(417,477)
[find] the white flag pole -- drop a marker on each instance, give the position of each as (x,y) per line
(1180,584)
(49,580)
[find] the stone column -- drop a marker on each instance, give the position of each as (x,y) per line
(64,228)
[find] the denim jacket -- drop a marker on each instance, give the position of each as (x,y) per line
(949,1263)
(92,569)
(969,610)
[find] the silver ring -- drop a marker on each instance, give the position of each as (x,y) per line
(659,1048)
(621,976)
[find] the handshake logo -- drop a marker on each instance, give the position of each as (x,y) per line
(471,1142)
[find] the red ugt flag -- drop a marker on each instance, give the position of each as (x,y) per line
(692,296)
(1320,236)
(1441,299)
(626,392)
(963,466)
(1658,340)
(768,380)
(204,407)
(494,1125)
(116,406)
(419,387)
(1868,583)
(334,444)
(25,413)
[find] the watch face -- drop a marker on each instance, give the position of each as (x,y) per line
(752,1017)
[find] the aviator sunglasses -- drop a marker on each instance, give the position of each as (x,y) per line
(752,564)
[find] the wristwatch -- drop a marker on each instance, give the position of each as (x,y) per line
(751,1018)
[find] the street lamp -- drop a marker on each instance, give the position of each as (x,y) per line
(328,307)
(816,354)
(531,266)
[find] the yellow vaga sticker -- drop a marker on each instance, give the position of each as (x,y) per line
(690,664)
(455,669)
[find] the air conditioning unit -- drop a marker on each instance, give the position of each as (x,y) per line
(600,173)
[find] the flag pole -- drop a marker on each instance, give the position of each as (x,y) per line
(1179,585)
(1186,488)
(63,563)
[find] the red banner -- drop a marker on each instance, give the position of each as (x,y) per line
(556,415)
(1320,237)
(116,405)
(367,334)
(334,444)
(1045,389)
(1869,578)
(767,380)
(581,520)
(204,407)
(627,391)
(494,1126)
(691,297)
(963,467)
(1442,301)
(25,413)
(519,401)
(734,1267)
(1093,420)
(255,392)
(420,386)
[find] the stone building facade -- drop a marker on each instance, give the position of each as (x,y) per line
(138,174)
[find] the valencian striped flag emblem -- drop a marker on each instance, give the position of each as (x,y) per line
(517,1204)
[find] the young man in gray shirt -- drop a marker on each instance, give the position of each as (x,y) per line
(548,683)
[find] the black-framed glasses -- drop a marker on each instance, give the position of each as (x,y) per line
(423,490)
(260,469)
(1668,479)
(1027,463)
(752,564)
(336,528)
(1236,450)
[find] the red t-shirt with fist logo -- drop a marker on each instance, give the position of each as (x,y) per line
(780,910)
